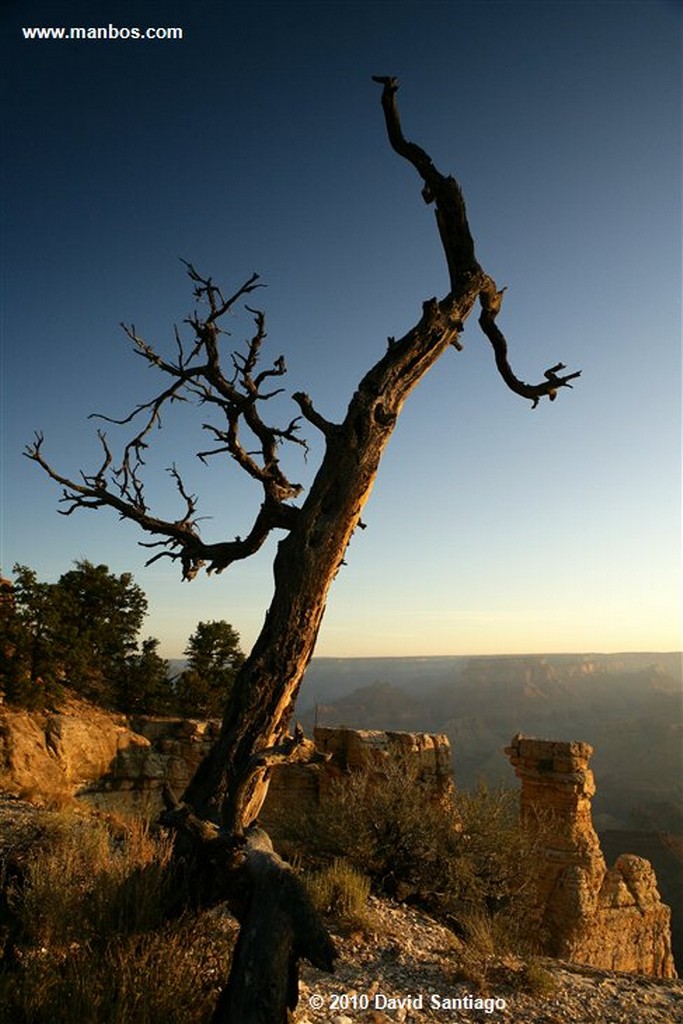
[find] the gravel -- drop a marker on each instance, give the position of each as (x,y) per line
(410,969)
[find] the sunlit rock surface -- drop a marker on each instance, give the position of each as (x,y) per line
(611,918)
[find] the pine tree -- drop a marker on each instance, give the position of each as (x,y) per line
(213,654)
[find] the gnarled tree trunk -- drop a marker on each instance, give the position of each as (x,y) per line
(226,856)
(229,782)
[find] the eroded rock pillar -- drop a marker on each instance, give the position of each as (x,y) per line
(607,918)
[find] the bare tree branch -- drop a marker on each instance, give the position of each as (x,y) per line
(197,375)
(458,246)
(183,542)
(444,192)
(314,417)
(491,300)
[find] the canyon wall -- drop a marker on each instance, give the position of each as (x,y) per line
(296,787)
(120,764)
(113,762)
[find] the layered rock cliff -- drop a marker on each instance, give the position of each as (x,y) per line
(114,762)
(121,763)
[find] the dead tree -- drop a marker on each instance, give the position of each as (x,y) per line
(232,859)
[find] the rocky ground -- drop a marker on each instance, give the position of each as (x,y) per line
(404,967)
(410,969)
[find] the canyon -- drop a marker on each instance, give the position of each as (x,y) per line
(604,917)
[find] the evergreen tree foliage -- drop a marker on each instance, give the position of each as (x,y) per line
(80,633)
(31,658)
(144,685)
(100,617)
(214,655)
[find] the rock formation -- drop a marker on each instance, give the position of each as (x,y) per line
(120,763)
(112,761)
(61,754)
(612,918)
(301,786)
(366,748)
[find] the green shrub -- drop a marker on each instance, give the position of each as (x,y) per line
(464,856)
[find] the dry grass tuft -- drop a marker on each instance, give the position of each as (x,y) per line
(538,980)
(342,891)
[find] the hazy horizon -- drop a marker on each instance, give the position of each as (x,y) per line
(468,656)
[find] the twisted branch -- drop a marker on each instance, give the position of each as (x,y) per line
(458,246)
(491,300)
(196,374)
(443,191)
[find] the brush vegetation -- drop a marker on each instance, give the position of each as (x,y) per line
(87,939)
(340,890)
(87,933)
(464,857)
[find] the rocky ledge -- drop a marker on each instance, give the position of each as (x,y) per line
(406,968)
(410,969)
(604,917)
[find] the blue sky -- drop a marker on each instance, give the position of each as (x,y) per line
(257,143)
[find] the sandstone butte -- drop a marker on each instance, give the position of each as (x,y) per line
(610,918)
